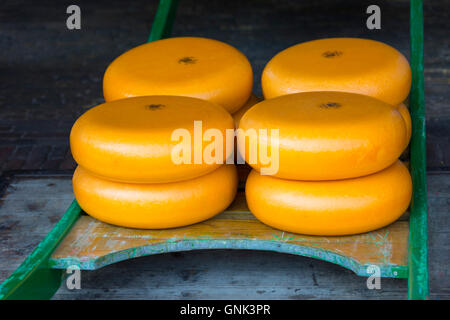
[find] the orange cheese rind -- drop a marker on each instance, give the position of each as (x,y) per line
(323,135)
(403,109)
(155,206)
(330,208)
(133,140)
(186,66)
(339,64)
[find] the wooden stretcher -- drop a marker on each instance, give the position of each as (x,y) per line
(399,250)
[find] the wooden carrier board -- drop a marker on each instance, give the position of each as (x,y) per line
(92,244)
(399,250)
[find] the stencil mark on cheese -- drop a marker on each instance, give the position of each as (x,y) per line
(187,60)
(332,54)
(154,106)
(330,105)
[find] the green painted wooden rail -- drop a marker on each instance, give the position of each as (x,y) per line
(37,277)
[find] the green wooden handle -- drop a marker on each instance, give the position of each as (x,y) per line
(418,252)
(164,18)
(34,279)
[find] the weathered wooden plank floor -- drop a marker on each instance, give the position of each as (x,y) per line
(31,206)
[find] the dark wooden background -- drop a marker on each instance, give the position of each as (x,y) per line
(50,75)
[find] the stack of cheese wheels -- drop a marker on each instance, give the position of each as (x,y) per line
(331,166)
(336,126)
(140,162)
(185,66)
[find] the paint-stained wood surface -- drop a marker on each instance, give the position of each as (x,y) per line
(92,244)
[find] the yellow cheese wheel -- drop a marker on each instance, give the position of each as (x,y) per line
(156,205)
(323,135)
(407,118)
(131,140)
(186,66)
(339,64)
(250,103)
(331,208)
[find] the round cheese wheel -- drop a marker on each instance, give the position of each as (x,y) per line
(186,66)
(156,205)
(250,103)
(151,139)
(407,118)
(339,64)
(330,208)
(321,135)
